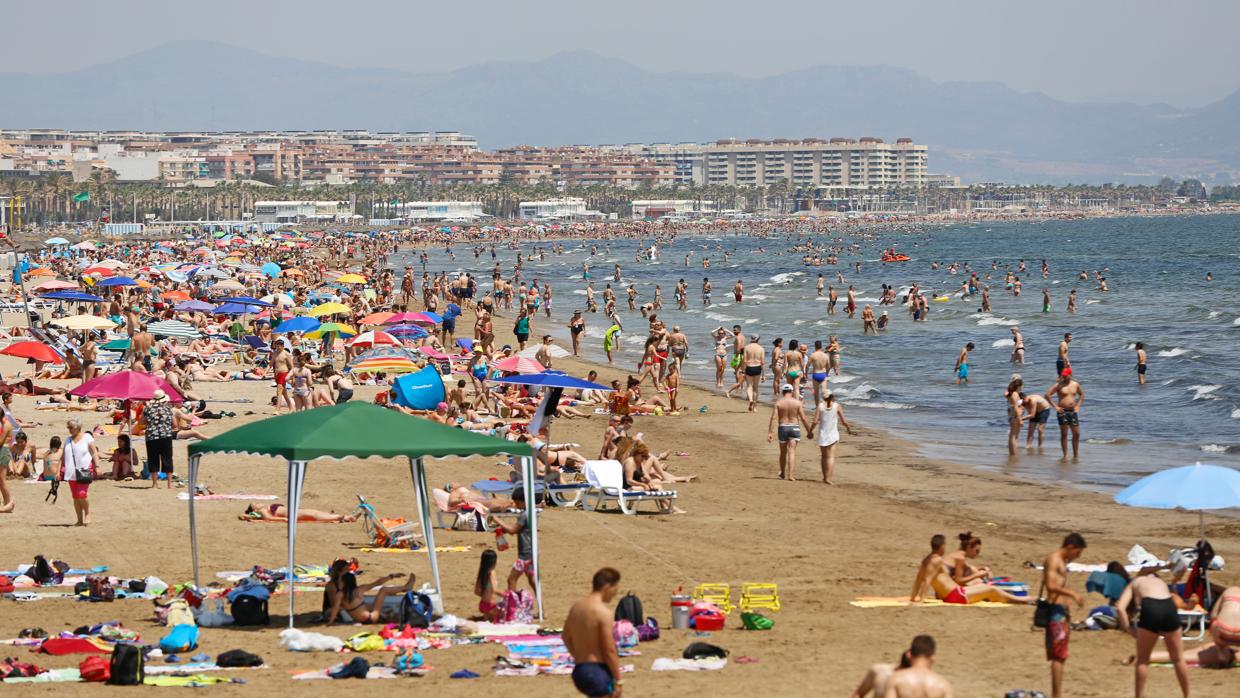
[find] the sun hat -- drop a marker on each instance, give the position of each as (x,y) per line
(159,396)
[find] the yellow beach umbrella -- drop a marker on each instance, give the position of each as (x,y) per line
(84,322)
(329,309)
(351,279)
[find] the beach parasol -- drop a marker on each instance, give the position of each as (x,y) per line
(374,339)
(126,385)
(375,318)
(173,328)
(519,364)
(118,281)
(387,359)
(32,350)
(84,322)
(56,241)
(330,309)
(235,309)
(41,271)
(337,327)
(72,296)
(406,331)
(271,269)
(279,299)
(554,350)
(351,279)
(419,318)
(298,324)
(85,245)
(53,285)
(175,296)
(228,285)
(193,306)
(245,300)
(98,271)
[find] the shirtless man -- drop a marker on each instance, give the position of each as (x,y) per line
(850,306)
(787,417)
(1038,409)
(1141,363)
(962,364)
(1072,301)
(1069,395)
(1063,361)
(1159,617)
(752,364)
(916,678)
(868,322)
(832,299)
(819,365)
(738,291)
(678,345)
(140,348)
(588,636)
(1059,626)
(1018,347)
(934,574)
(282,364)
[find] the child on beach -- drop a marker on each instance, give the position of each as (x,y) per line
(122,459)
(52,460)
(484,587)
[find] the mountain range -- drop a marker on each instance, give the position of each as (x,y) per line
(981,131)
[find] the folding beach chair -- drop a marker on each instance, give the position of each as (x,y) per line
(386,536)
(759,596)
(718,594)
(606,480)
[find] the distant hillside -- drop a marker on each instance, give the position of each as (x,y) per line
(981,131)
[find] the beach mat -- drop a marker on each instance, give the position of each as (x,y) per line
(438,549)
(901,601)
(184,496)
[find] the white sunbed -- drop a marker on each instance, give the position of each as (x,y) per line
(606,479)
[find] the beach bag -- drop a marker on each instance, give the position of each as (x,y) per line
(100,588)
(470,520)
(127,667)
(248,609)
(630,609)
(95,669)
(238,658)
(6,585)
(625,634)
(357,668)
(704,650)
(518,606)
(179,614)
(1042,612)
(415,609)
(41,572)
(182,638)
(756,621)
(366,642)
(649,630)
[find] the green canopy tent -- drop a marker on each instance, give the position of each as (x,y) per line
(358,430)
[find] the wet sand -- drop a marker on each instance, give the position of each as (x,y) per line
(822,545)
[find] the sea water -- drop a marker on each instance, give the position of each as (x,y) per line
(903,379)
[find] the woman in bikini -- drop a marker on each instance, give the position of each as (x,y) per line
(777,365)
(794,363)
(279,512)
(300,382)
(1015,411)
(1225,620)
(721,355)
(957,563)
(349,602)
(485,586)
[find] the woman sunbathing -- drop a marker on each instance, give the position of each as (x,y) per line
(957,563)
(932,573)
(349,603)
(279,512)
(458,495)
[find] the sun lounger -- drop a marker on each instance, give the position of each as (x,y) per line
(1191,620)
(402,536)
(719,594)
(606,480)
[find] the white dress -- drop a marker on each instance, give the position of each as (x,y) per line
(828,424)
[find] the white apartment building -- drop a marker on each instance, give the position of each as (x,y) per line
(659,208)
(441,210)
(559,209)
(868,163)
(299,211)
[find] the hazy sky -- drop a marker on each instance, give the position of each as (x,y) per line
(1183,52)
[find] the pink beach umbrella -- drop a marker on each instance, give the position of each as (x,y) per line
(126,385)
(374,338)
(519,364)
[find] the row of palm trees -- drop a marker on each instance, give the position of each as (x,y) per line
(56,198)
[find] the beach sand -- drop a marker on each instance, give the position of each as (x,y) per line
(822,545)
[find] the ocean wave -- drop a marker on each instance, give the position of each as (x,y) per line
(1092,302)
(786,277)
(865,391)
(1174,351)
(1235,413)
(579,292)
(799,322)
(1108,442)
(867,300)
(881,405)
(1130,346)
(1213,314)
(1009,342)
(1219,448)
(1204,392)
(1236,321)
(852,377)
(720,317)
(985,319)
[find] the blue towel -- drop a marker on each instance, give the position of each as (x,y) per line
(1108,584)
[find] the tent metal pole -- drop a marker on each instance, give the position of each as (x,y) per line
(193,523)
(417,469)
(531,508)
(296,480)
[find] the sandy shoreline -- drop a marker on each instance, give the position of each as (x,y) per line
(823,546)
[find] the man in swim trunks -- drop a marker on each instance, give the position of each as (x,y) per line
(738,291)
(934,574)
(819,365)
(916,676)
(962,364)
(1059,627)
(1140,363)
(1039,410)
(787,417)
(752,360)
(1069,396)
(282,364)
(1159,617)
(1063,361)
(832,299)
(588,636)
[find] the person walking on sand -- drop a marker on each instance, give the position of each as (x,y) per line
(962,365)
(828,416)
(915,677)
(787,416)
(589,638)
(6,457)
(1069,396)
(79,469)
(752,367)
(1159,617)
(1058,625)
(1140,363)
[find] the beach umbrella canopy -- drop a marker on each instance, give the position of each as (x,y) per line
(351,279)
(298,324)
(41,271)
(228,285)
(387,359)
(246,300)
(271,269)
(175,296)
(552,379)
(338,327)
(556,351)
(406,331)
(174,328)
(98,271)
(519,364)
(126,385)
(374,339)
(84,322)
(330,309)
(85,245)
(56,241)
(118,281)
(193,306)
(53,285)
(32,350)
(1191,487)
(278,299)
(235,309)
(375,318)
(72,296)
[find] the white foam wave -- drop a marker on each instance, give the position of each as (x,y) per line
(1214,313)
(883,405)
(720,317)
(786,278)
(1235,413)
(985,319)
(579,292)
(1236,321)
(1175,351)
(1214,448)
(1130,346)
(798,322)
(1092,302)
(1003,343)
(842,379)
(865,391)
(1204,392)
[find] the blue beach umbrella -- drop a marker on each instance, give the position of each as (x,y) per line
(72,296)
(552,379)
(56,241)
(245,300)
(406,331)
(298,324)
(234,309)
(271,269)
(118,281)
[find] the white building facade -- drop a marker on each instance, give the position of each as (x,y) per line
(299,211)
(441,210)
(556,209)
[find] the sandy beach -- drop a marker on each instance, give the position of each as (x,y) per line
(823,546)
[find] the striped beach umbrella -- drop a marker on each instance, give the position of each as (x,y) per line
(173,328)
(386,359)
(374,339)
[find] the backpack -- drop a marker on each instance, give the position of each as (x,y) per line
(6,585)
(100,588)
(126,667)
(625,634)
(95,669)
(238,658)
(249,610)
(518,606)
(415,609)
(704,650)
(41,572)
(649,630)
(630,609)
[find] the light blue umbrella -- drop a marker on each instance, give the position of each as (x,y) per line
(56,241)
(271,269)
(1190,487)
(117,281)
(298,324)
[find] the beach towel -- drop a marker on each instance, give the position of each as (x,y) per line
(375,672)
(900,601)
(677,664)
(438,549)
(192,668)
(58,646)
(192,681)
(184,496)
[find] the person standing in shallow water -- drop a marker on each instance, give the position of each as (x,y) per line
(1140,363)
